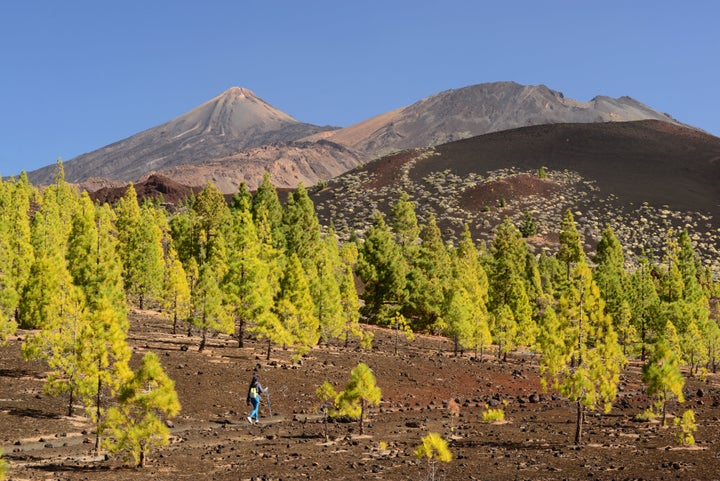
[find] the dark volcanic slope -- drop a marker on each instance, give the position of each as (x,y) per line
(638,176)
(231,122)
(646,161)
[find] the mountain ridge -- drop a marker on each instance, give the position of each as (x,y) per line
(225,133)
(234,120)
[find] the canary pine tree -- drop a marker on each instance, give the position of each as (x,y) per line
(209,314)
(571,250)
(404,224)
(248,294)
(429,278)
(175,299)
(350,308)
(470,274)
(383,270)
(145,401)
(588,372)
(662,377)
(9,296)
(360,392)
(644,303)
(266,207)
(301,230)
(295,305)
(433,448)
(104,351)
(327,300)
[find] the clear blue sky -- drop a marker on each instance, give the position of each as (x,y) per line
(80,74)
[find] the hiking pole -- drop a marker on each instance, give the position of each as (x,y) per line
(268,403)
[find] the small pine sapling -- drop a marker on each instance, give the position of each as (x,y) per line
(435,449)
(493,415)
(3,467)
(454,410)
(326,394)
(662,377)
(360,392)
(401,325)
(687,426)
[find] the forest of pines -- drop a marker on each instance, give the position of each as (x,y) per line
(255,268)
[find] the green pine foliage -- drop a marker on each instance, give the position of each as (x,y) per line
(208,314)
(404,224)
(266,208)
(4,466)
(382,268)
(588,371)
(295,305)
(137,424)
(662,377)
(175,299)
(248,294)
(687,426)
(301,229)
(571,250)
(350,308)
(360,392)
(429,280)
(644,305)
(327,297)
(469,274)
(435,449)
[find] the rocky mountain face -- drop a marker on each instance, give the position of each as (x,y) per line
(230,123)
(481,109)
(287,163)
(236,137)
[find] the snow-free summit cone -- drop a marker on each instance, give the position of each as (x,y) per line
(229,123)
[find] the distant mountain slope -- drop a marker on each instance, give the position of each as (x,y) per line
(480,109)
(287,163)
(640,177)
(237,136)
(229,123)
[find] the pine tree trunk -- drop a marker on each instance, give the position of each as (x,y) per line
(580,420)
(362,416)
(97,414)
(397,335)
(72,400)
(241,332)
(267,358)
(203,341)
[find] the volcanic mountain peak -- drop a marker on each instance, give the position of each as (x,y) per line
(479,109)
(235,111)
(235,120)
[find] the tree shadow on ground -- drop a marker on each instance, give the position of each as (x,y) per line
(16,373)
(32,413)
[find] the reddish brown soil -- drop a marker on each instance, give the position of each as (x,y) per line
(212,440)
(515,187)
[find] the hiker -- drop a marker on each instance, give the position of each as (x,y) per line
(253,398)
